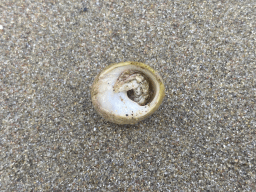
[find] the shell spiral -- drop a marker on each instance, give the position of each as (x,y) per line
(136,85)
(126,93)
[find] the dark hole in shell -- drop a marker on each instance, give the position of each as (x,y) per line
(152,93)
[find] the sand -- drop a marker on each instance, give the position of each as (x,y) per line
(203,136)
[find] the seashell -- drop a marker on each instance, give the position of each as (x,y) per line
(128,92)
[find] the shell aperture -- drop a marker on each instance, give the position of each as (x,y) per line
(135,84)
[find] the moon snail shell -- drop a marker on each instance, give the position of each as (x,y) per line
(128,92)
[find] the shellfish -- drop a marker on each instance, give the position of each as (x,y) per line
(128,92)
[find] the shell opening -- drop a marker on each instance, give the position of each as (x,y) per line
(138,86)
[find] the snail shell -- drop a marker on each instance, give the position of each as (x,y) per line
(128,92)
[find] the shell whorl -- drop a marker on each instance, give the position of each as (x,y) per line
(135,84)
